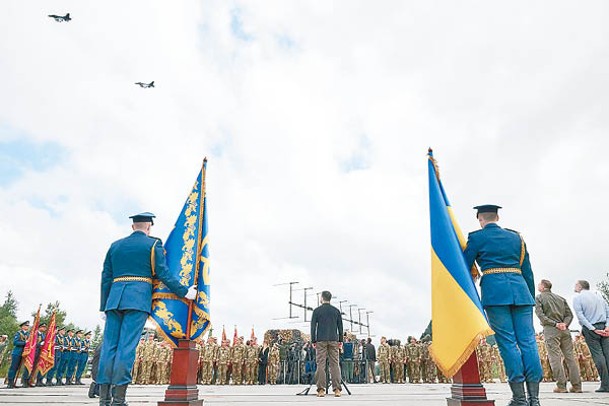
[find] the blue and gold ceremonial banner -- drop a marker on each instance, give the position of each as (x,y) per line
(458,320)
(187,257)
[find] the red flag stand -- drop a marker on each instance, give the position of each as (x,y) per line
(467,389)
(182,390)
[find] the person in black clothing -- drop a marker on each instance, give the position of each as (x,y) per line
(327,339)
(263,360)
(371,360)
(310,365)
(94,387)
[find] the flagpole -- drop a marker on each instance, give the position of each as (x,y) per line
(199,247)
(182,390)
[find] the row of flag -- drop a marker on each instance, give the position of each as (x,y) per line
(46,357)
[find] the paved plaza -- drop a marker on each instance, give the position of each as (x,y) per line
(371,394)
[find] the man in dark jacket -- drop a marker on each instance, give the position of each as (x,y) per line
(327,336)
(371,360)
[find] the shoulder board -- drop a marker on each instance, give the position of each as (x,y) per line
(474,232)
(514,231)
(156,238)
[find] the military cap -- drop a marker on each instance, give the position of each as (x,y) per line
(25,323)
(61,328)
(87,333)
(70,329)
(487,208)
(78,331)
(42,325)
(145,217)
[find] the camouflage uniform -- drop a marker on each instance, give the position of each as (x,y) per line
(543,357)
(413,352)
(136,373)
(273,364)
(427,365)
(383,357)
(397,362)
(147,360)
(222,359)
(237,360)
(200,345)
(483,352)
(251,363)
(498,362)
(160,362)
(586,365)
(210,354)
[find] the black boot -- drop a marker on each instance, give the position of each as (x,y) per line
(519,398)
(120,394)
(533,391)
(105,397)
(91,393)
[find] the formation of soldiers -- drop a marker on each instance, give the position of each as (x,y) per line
(409,363)
(153,360)
(583,356)
(71,350)
(242,363)
(280,361)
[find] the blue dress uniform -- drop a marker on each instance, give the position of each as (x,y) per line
(65,357)
(508,293)
(19,340)
(39,344)
(58,348)
(74,344)
(126,299)
(83,357)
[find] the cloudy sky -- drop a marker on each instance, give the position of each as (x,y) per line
(316,117)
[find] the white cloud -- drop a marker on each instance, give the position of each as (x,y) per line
(512,98)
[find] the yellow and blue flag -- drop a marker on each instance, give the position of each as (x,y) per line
(458,320)
(187,256)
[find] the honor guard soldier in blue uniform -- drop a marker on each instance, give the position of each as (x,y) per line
(80,345)
(74,343)
(66,356)
(508,293)
(58,348)
(19,341)
(42,334)
(126,298)
(83,357)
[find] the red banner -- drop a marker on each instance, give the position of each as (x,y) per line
(235,337)
(29,351)
(47,353)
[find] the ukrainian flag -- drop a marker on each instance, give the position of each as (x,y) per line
(458,320)
(187,255)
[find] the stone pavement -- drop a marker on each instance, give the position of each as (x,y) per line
(371,394)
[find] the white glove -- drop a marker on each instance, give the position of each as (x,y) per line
(102,315)
(192,293)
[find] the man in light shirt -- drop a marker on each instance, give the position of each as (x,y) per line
(593,314)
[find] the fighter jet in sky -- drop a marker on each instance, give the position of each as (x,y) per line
(60,19)
(145,85)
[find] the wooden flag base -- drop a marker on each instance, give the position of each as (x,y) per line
(466,389)
(182,390)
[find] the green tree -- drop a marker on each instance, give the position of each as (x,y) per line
(603,287)
(97,336)
(8,315)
